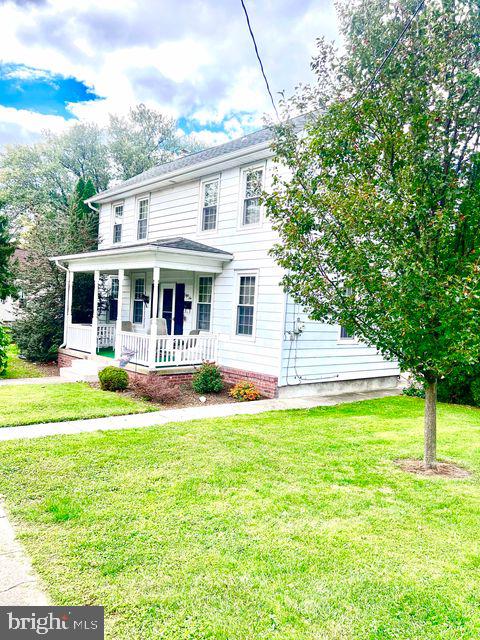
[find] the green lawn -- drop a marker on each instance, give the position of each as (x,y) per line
(287,525)
(29,404)
(18,368)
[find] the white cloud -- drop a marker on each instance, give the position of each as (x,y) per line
(191,58)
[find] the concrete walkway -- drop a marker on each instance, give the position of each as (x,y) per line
(113,423)
(9,382)
(18,583)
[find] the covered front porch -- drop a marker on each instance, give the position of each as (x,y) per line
(154,310)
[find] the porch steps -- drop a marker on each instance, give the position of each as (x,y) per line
(83,370)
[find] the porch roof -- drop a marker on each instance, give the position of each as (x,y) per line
(169,253)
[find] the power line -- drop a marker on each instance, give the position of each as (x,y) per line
(379,69)
(259,58)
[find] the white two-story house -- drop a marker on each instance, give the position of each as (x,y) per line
(184,255)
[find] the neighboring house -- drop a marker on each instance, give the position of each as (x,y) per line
(184,251)
(9,307)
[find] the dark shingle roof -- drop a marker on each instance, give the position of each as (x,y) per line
(187,245)
(169,243)
(195,158)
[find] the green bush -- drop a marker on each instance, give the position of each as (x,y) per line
(475,390)
(113,379)
(207,379)
(414,391)
(4,342)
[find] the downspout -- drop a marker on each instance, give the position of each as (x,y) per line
(62,268)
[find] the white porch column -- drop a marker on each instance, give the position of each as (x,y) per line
(118,327)
(153,325)
(93,348)
(68,305)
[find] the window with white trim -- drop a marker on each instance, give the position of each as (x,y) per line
(344,335)
(117,222)
(138,300)
(142,220)
(204,304)
(210,204)
(245,305)
(253,187)
(113,306)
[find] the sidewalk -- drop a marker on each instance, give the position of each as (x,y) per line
(8,382)
(113,423)
(18,583)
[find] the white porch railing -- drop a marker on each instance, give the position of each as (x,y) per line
(138,343)
(170,351)
(78,337)
(105,336)
(185,350)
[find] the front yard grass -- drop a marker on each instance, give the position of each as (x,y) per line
(280,526)
(19,368)
(29,404)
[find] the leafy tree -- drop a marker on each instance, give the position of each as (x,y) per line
(379,217)
(143,139)
(39,329)
(7,287)
(7,249)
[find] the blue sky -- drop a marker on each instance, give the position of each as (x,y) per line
(64,61)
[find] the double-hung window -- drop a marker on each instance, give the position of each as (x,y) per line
(142,220)
(113,307)
(204,305)
(138,299)
(253,186)
(117,222)
(344,335)
(210,204)
(245,305)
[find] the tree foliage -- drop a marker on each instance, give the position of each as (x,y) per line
(43,187)
(379,218)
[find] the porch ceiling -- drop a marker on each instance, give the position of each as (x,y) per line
(168,253)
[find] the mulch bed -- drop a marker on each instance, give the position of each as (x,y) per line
(47,369)
(442,469)
(187,398)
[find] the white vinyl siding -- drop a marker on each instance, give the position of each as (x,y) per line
(317,355)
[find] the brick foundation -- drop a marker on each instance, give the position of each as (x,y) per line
(173,378)
(266,384)
(65,359)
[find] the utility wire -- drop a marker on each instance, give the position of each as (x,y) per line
(259,58)
(379,69)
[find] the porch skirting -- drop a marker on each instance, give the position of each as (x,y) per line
(266,384)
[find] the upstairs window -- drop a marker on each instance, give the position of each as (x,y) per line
(246,305)
(117,222)
(142,222)
(204,305)
(251,201)
(139,295)
(210,205)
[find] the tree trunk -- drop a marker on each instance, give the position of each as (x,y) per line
(430,425)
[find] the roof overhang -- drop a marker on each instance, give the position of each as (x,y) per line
(225,161)
(144,257)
